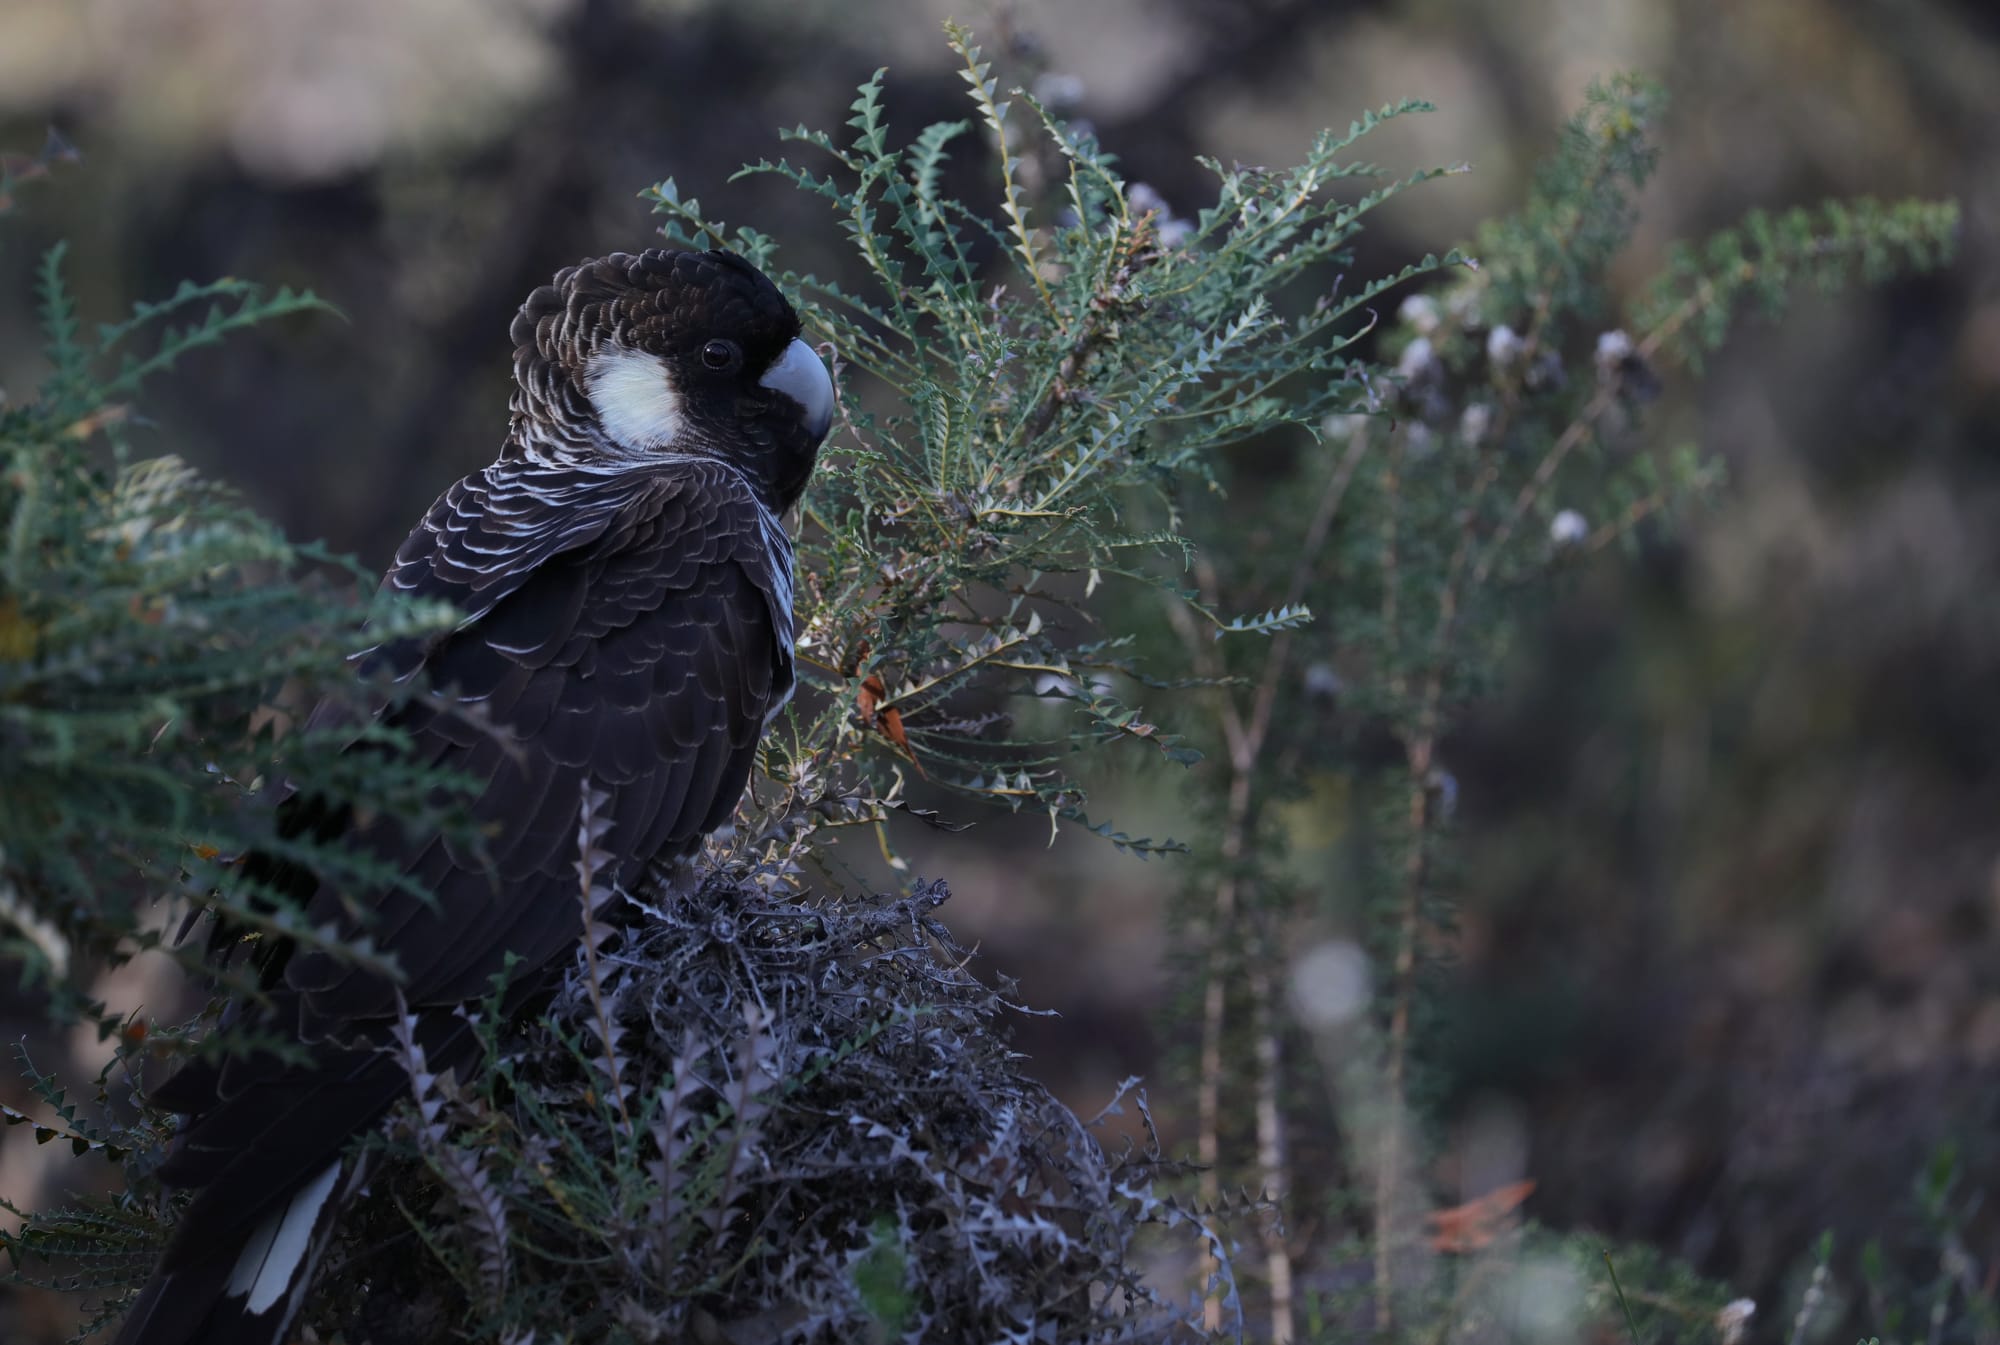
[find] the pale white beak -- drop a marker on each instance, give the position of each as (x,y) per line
(801,376)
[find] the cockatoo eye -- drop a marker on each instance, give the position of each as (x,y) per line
(722,356)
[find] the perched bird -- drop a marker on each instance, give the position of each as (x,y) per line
(627,629)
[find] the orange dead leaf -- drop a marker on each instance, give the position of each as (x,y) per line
(97,420)
(892,726)
(889,722)
(1474,1225)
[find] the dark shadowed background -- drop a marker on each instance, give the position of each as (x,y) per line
(1731,931)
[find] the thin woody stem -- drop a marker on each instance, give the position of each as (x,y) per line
(1273,1170)
(1409,928)
(1245,738)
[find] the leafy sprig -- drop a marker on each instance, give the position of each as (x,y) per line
(155,637)
(1014,389)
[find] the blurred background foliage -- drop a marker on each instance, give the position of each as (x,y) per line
(1728,942)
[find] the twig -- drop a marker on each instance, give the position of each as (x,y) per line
(1619,1289)
(1392,483)
(1409,925)
(1214,931)
(1573,434)
(1245,737)
(1087,343)
(1295,591)
(1271,1162)
(1809,1303)
(1390,1155)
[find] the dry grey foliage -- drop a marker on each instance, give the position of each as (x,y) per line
(807,1127)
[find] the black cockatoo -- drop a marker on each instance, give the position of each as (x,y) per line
(627,629)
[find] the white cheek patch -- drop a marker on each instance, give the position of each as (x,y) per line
(634,398)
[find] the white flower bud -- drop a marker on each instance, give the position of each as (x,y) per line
(1503,346)
(1568,528)
(1322,682)
(1613,349)
(1417,358)
(1474,422)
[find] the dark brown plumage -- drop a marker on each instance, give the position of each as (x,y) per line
(626,593)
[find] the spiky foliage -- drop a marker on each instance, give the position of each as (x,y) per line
(1030,385)
(748,1116)
(148,623)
